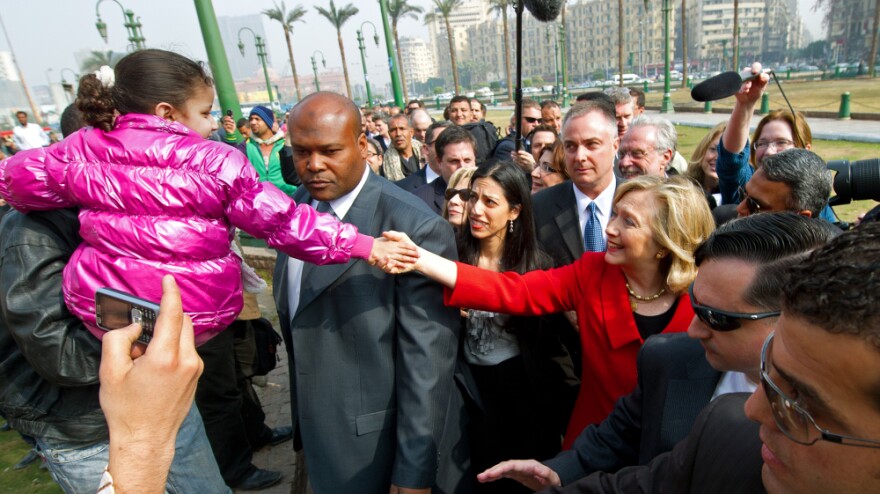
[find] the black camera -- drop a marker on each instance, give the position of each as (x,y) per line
(855,181)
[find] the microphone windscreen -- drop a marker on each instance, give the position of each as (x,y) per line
(544,10)
(718,87)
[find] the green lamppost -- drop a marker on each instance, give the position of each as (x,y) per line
(226,92)
(364,56)
(68,87)
(261,54)
(315,67)
(666,105)
(563,56)
(392,65)
(132,25)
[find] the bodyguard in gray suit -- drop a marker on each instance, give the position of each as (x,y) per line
(371,355)
(736,297)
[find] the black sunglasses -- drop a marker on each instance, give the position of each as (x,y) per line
(531,119)
(464,193)
(751,204)
(721,320)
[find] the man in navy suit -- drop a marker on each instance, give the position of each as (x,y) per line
(736,297)
(431,171)
(454,148)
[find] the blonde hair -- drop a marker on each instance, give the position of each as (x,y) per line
(682,222)
(695,165)
(457,177)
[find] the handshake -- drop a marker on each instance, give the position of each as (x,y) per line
(394,253)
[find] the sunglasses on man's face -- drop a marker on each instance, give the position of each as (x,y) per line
(722,320)
(751,204)
(464,193)
(531,119)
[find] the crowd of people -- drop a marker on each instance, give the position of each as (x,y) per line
(572,307)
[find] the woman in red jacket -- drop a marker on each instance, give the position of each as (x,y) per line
(634,290)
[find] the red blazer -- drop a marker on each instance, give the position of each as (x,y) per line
(595,290)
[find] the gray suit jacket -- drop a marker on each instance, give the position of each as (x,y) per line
(721,455)
(675,383)
(372,360)
(557,224)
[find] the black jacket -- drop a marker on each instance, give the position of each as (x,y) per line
(48,360)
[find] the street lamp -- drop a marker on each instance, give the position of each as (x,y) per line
(315,68)
(666,105)
(132,26)
(68,87)
(363,49)
(392,65)
(261,54)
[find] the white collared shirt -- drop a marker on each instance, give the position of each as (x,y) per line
(340,206)
(603,206)
(430,175)
(734,382)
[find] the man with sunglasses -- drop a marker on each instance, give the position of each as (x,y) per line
(795,180)
(531,118)
(736,300)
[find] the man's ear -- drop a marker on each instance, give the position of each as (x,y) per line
(806,213)
(165,111)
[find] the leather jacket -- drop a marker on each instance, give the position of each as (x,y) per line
(48,361)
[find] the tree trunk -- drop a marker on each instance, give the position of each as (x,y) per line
(872,60)
(400,62)
(684,45)
(736,35)
(507,56)
(620,39)
(451,38)
(292,64)
(344,63)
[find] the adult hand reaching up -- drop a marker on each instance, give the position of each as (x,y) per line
(146,394)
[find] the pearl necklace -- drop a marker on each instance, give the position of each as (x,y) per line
(650,298)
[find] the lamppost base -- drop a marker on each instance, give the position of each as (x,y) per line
(666,105)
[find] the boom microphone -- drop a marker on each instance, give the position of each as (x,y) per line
(544,10)
(721,86)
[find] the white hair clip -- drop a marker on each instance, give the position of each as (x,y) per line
(106,75)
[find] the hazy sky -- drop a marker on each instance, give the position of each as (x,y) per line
(46,33)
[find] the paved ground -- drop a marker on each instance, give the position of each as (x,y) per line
(823,128)
(275,396)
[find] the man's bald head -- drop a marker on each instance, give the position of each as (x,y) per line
(328,145)
(317,105)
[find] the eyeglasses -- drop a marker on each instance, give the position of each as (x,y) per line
(464,193)
(636,154)
(752,205)
(531,119)
(370,155)
(722,320)
(796,423)
(545,168)
(777,144)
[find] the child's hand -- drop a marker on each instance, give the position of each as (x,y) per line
(394,253)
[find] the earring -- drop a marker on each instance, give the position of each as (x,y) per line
(659,255)
(511,227)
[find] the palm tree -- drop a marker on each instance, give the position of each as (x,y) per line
(736,35)
(684,45)
(97,59)
(287,18)
(620,39)
(500,7)
(338,18)
(399,9)
(444,9)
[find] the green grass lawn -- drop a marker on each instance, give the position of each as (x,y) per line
(29,480)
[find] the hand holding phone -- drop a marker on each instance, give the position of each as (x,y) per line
(116,309)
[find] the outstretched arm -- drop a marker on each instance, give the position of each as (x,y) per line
(530,473)
(737,132)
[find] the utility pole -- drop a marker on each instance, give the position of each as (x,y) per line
(392,65)
(226,93)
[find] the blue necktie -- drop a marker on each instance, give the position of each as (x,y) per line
(594,241)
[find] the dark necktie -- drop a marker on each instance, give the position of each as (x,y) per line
(324,207)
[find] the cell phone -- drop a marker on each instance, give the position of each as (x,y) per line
(116,309)
(228,113)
